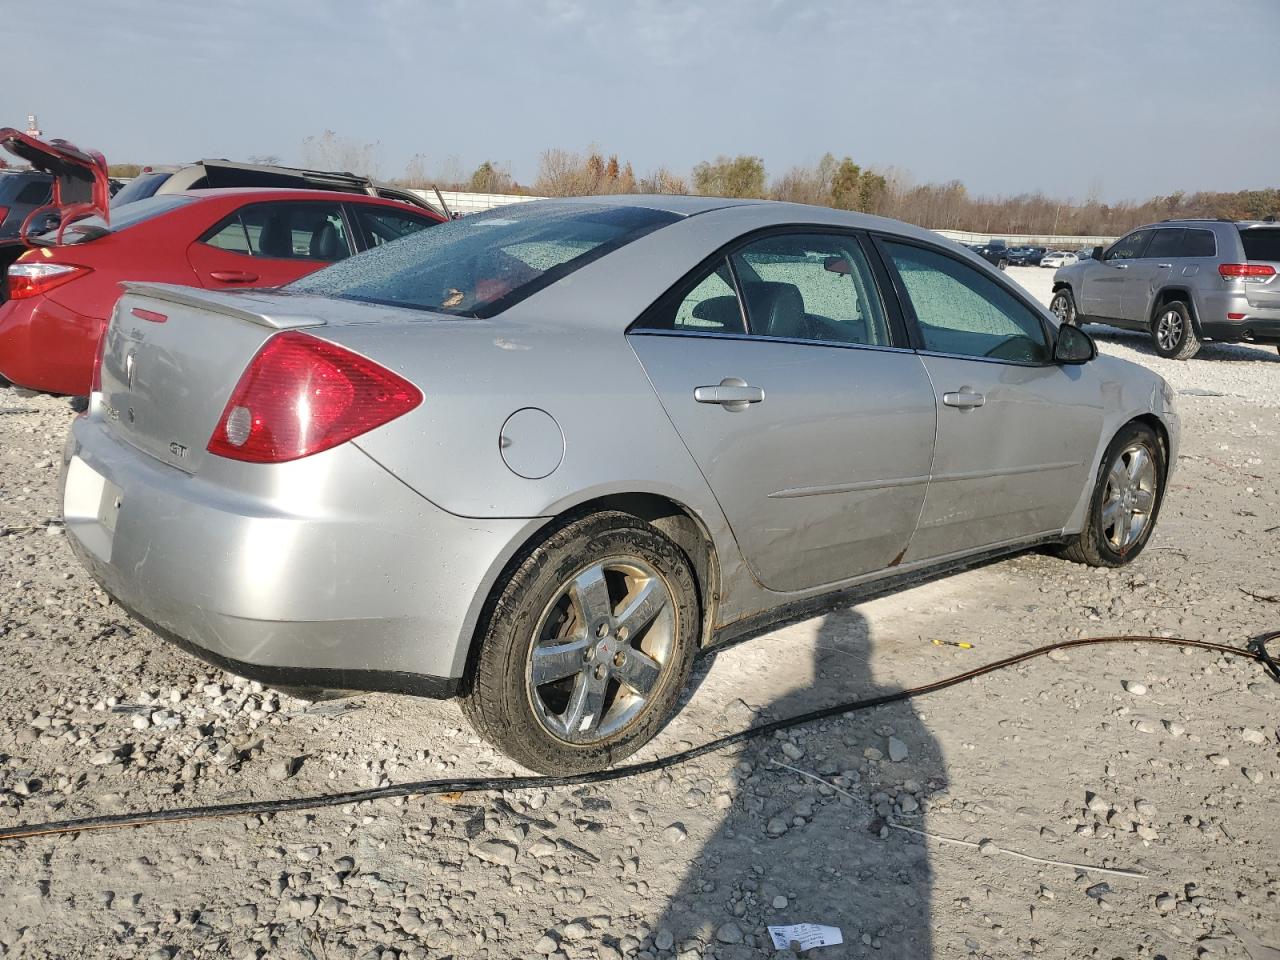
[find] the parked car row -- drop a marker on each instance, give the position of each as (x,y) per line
(1182,281)
(61,289)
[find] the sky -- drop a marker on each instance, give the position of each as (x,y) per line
(1122,99)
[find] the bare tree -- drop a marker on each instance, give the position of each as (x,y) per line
(332,151)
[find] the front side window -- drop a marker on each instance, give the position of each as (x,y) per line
(284,231)
(961,311)
(1166,243)
(1130,247)
(810,287)
(480,265)
(382,225)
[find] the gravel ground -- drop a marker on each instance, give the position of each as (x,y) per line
(1147,758)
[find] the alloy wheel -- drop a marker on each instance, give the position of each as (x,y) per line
(1061,308)
(1130,497)
(601,649)
(1170,329)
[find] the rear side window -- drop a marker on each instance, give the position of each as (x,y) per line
(965,313)
(710,306)
(139,188)
(1261,243)
(36,194)
(284,231)
(1166,243)
(482,264)
(1199,243)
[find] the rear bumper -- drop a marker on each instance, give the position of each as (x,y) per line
(327,572)
(47,347)
(1254,328)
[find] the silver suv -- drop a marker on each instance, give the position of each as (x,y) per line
(1184,281)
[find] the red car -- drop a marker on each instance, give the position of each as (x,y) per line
(60,294)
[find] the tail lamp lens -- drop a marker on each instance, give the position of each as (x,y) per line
(32,279)
(301,395)
(1248,272)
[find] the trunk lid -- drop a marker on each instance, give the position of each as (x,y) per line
(173,355)
(81,186)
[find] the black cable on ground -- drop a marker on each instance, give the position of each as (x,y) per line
(1256,651)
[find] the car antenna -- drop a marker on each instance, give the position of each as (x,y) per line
(443,206)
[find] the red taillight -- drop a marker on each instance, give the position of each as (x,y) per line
(32,279)
(301,395)
(1254,272)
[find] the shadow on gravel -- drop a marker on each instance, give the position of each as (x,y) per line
(1254,353)
(831,856)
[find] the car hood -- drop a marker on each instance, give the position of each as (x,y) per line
(81,186)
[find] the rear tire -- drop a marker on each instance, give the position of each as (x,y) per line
(1063,306)
(1125,492)
(1172,333)
(587,647)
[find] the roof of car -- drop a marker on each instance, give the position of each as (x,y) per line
(291,193)
(680,204)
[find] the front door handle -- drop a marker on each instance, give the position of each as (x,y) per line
(1164,264)
(233,276)
(730,393)
(1121,266)
(964,399)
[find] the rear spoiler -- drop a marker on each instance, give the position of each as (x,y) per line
(238,305)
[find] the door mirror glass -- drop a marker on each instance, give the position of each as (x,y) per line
(1073,345)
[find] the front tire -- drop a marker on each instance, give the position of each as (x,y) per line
(587,648)
(1063,306)
(1125,503)
(1172,333)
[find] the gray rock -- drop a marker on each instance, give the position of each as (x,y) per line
(664,939)
(1136,688)
(780,902)
(498,852)
(897,750)
(547,944)
(675,833)
(729,933)
(792,751)
(776,827)
(575,931)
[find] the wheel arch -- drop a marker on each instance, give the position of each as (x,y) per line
(670,517)
(1168,295)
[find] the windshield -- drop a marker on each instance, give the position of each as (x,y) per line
(482,264)
(90,228)
(139,188)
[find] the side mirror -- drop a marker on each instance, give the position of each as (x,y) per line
(1073,345)
(1096,253)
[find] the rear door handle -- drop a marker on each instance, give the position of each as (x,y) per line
(1164,264)
(730,393)
(233,276)
(964,399)
(1121,266)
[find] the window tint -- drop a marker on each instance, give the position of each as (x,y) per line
(484,263)
(709,306)
(1198,243)
(381,225)
(284,231)
(139,188)
(810,287)
(1166,243)
(1130,247)
(961,311)
(36,193)
(1261,243)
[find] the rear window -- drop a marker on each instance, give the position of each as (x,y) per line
(139,188)
(482,264)
(90,228)
(36,193)
(1261,243)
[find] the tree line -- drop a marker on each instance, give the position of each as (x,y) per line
(832,182)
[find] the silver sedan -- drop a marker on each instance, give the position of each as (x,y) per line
(542,456)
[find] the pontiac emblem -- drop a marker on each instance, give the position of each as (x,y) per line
(128,370)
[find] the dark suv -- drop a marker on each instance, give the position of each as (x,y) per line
(21,191)
(1183,281)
